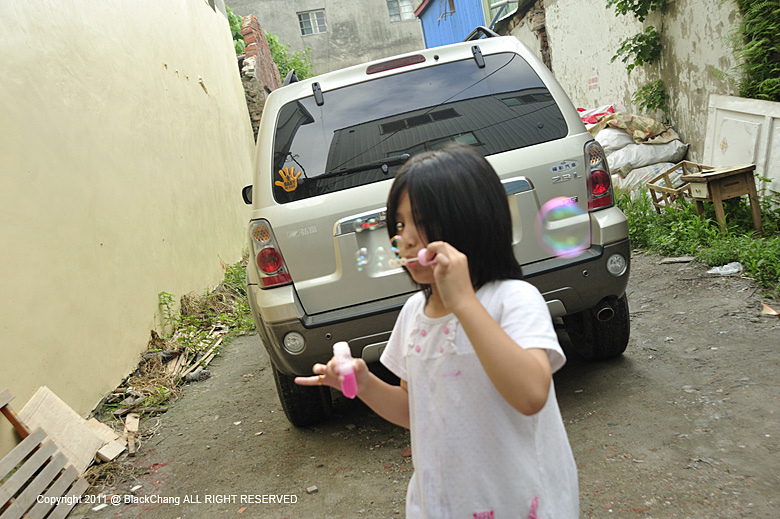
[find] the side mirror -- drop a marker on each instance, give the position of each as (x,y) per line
(246,194)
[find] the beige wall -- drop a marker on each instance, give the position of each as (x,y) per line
(125,142)
(583,37)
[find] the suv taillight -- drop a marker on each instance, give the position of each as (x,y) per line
(268,260)
(600,194)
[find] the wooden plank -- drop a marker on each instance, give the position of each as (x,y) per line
(36,487)
(64,426)
(112,449)
(64,508)
(21,451)
(106,433)
(13,484)
(131,426)
(113,445)
(174,366)
(196,364)
(708,175)
(132,422)
(59,487)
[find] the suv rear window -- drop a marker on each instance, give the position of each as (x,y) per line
(364,132)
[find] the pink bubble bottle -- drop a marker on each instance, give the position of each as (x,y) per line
(344,356)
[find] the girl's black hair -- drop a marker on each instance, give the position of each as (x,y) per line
(457,197)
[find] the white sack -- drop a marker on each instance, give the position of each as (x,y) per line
(639,155)
(612,139)
(638,178)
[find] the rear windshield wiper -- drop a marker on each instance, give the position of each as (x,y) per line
(382,164)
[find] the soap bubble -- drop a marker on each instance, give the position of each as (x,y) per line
(361,258)
(380,255)
(395,243)
(563,228)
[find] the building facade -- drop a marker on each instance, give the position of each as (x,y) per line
(340,33)
(450,21)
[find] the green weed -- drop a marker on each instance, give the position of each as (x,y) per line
(224,309)
(680,231)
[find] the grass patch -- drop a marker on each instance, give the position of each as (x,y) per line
(681,232)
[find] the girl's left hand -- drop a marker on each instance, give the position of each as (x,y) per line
(451,275)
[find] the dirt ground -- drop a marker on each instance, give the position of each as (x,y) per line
(685,424)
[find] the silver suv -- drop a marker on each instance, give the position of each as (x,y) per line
(327,151)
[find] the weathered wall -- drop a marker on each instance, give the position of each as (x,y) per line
(357,31)
(695,40)
(583,37)
(259,73)
(530,28)
(125,144)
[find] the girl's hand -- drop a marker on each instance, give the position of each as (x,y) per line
(328,375)
(451,275)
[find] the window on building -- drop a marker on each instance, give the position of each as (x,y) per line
(400,10)
(312,22)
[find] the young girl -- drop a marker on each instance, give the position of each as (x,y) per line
(475,351)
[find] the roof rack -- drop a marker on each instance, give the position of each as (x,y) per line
(479,32)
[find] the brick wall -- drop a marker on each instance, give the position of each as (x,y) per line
(259,74)
(534,17)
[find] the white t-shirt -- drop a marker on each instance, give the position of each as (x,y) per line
(474,455)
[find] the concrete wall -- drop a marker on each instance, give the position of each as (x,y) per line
(125,143)
(583,37)
(358,31)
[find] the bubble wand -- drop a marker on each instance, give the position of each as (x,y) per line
(349,383)
(421,258)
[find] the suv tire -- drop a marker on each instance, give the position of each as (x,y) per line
(600,340)
(303,405)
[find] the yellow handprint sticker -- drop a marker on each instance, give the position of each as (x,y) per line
(289,180)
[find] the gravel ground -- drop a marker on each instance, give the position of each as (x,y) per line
(685,424)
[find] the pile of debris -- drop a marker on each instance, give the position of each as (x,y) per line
(638,148)
(164,366)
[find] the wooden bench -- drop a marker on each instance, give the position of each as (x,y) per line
(717,185)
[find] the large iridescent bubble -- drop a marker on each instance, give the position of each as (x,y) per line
(563,228)
(395,243)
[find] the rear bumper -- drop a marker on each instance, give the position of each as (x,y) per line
(569,285)
(365,327)
(576,284)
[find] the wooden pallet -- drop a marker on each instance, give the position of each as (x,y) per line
(36,481)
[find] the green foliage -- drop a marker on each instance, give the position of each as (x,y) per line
(642,49)
(235,28)
(640,8)
(682,232)
(226,307)
(652,96)
(300,61)
(759,49)
(167,304)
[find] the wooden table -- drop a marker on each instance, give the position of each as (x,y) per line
(721,184)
